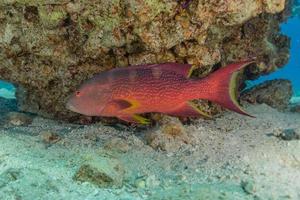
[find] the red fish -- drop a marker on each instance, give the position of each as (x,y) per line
(164,88)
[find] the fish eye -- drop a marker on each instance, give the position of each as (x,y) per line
(77,93)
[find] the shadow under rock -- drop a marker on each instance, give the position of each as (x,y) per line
(8,105)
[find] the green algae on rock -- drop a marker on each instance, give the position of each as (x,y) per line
(275,93)
(50,47)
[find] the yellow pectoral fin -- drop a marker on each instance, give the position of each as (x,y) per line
(134,104)
(126,110)
(134,119)
(141,119)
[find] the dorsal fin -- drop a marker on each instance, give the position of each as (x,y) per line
(131,71)
(183,69)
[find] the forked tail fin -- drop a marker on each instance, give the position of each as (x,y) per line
(222,86)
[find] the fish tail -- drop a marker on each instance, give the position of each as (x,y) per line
(221,86)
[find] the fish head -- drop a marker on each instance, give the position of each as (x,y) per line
(89,99)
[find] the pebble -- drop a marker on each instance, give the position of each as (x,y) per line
(275,93)
(18,119)
(295,108)
(140,183)
(101,171)
(49,137)
(248,186)
(169,136)
(117,144)
(9,176)
(287,134)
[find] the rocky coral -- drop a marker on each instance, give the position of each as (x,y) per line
(18,119)
(287,134)
(275,93)
(50,47)
(169,136)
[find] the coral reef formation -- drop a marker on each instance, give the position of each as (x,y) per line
(48,48)
(18,119)
(169,136)
(275,93)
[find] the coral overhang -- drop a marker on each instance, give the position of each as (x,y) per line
(48,48)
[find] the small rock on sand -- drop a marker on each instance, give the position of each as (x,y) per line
(140,183)
(287,134)
(150,181)
(248,186)
(8,176)
(101,171)
(295,108)
(18,119)
(49,137)
(117,144)
(169,136)
(275,93)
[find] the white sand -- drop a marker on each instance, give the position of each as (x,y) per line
(232,157)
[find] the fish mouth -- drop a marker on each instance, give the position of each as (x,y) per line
(72,108)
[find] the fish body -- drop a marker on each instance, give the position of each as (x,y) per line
(163,88)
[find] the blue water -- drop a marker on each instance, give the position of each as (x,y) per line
(6,85)
(292,70)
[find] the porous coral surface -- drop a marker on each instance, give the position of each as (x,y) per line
(49,47)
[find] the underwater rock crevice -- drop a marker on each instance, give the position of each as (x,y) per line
(275,93)
(49,49)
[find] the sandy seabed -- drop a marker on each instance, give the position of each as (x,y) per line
(231,157)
